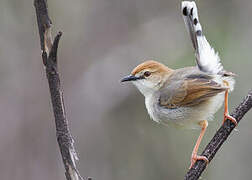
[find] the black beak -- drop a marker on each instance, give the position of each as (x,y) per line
(131,78)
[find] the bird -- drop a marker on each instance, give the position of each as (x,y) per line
(187,97)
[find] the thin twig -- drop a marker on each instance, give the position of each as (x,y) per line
(219,138)
(49,56)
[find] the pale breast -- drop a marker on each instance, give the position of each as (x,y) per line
(149,103)
(184,117)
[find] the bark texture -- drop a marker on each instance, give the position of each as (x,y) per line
(49,49)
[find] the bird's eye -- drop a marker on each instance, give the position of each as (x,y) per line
(147,73)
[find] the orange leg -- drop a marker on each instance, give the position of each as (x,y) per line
(226,113)
(195,157)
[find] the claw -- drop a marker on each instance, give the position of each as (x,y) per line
(227,116)
(196,158)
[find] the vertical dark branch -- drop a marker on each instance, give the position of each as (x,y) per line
(49,56)
(219,138)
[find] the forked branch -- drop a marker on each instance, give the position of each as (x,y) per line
(219,138)
(49,56)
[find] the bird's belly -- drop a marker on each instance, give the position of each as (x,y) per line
(185,117)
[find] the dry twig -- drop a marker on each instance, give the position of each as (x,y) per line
(49,57)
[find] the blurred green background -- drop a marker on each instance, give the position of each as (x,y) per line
(114,136)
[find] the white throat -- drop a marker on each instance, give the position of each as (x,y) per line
(147,88)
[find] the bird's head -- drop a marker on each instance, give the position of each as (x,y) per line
(149,76)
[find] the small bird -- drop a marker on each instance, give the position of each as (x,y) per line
(186,97)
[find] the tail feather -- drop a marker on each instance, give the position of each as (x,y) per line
(206,58)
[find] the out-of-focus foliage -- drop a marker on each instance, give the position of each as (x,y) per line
(102,41)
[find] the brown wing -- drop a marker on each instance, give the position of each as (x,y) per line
(189,92)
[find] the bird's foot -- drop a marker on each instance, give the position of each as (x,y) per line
(227,116)
(195,158)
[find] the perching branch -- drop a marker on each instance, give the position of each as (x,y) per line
(49,57)
(219,138)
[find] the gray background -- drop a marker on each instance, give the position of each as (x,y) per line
(102,41)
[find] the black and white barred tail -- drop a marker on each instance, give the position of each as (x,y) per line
(206,58)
